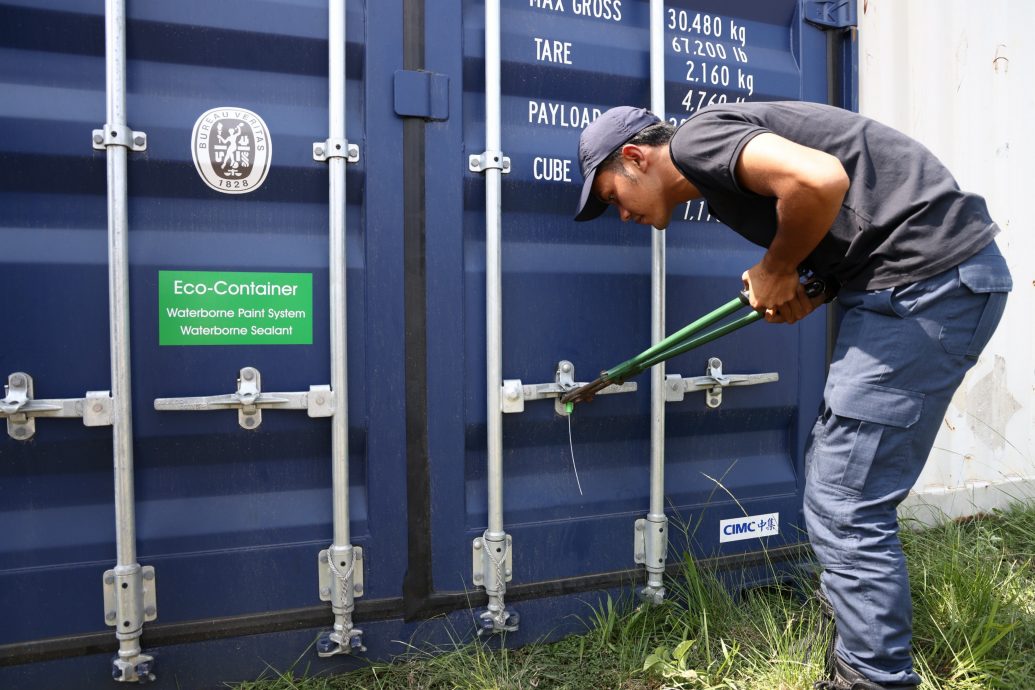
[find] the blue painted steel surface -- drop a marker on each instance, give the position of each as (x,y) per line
(232,520)
(581,292)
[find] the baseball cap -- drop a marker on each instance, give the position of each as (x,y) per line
(600,138)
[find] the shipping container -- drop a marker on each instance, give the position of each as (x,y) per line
(315,366)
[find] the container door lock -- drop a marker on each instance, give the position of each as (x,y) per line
(20,407)
(515,394)
(250,401)
(676,387)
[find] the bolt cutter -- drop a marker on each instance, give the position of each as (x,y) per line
(683,340)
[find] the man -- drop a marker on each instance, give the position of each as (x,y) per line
(922,286)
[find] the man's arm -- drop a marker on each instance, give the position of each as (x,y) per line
(809,187)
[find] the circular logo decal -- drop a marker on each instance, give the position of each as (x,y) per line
(231,149)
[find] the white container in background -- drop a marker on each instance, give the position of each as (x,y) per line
(960,77)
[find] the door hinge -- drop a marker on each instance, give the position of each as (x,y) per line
(421,94)
(831,14)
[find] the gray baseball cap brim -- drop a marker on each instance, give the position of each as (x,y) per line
(598,141)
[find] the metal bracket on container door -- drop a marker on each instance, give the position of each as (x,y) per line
(650,545)
(335,148)
(329,572)
(21,409)
(119,135)
(515,394)
(249,401)
(488,161)
(676,387)
(130,598)
(485,565)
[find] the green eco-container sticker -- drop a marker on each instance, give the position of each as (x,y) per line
(224,308)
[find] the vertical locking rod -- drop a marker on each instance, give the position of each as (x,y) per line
(340,557)
(131,664)
(656,535)
(496,544)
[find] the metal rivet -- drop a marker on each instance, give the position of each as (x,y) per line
(715,401)
(639,527)
(566,367)
(109,616)
(319,401)
(249,374)
(149,575)
(512,394)
(357,588)
(715,362)
(109,580)
(325,592)
(18,381)
(318,150)
(508,573)
(249,421)
(478,578)
(357,555)
(98,407)
(98,139)
(150,611)
(323,557)
(139,141)
(19,432)
(639,556)
(478,544)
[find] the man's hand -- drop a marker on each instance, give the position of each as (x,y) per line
(779,294)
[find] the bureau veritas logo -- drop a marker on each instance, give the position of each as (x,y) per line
(232,150)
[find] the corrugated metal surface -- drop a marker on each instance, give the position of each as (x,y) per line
(581,292)
(232,520)
(960,77)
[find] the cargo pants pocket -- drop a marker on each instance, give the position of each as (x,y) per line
(866,442)
(987,280)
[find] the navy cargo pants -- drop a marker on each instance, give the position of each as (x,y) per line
(900,355)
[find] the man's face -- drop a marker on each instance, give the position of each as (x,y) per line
(637,195)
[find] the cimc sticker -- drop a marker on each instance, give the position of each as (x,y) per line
(749,527)
(234,308)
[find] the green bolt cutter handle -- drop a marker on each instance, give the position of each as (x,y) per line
(681,341)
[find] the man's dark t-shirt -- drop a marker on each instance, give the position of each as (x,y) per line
(903,219)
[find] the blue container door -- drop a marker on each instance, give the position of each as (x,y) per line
(232,520)
(581,292)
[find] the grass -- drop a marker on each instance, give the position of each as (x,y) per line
(974,628)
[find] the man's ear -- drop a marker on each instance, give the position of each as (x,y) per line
(635,155)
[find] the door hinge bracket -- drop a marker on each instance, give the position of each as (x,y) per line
(831,14)
(489,160)
(423,94)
